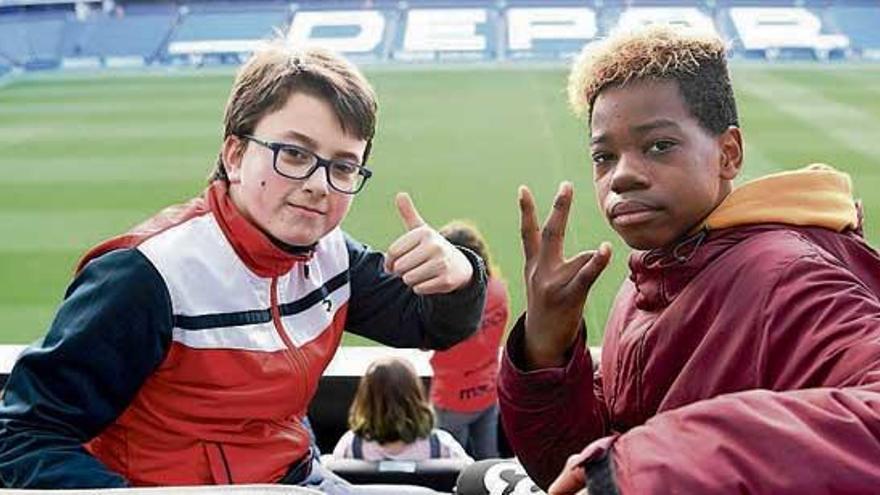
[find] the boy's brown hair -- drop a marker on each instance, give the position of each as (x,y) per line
(697,62)
(390,404)
(266,81)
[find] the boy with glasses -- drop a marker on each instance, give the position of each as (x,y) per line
(187,350)
(742,354)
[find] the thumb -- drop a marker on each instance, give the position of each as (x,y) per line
(408,213)
(593,268)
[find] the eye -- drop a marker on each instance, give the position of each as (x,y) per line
(295,154)
(344,168)
(661,146)
(601,158)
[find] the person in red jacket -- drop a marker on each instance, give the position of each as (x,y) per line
(742,354)
(463,389)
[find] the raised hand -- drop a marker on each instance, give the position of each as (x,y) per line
(422,257)
(556,288)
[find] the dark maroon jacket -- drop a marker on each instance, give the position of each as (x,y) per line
(748,362)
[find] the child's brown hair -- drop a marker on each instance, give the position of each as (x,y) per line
(390,404)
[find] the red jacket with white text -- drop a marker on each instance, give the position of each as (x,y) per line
(465,375)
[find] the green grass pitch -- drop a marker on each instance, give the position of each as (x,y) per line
(85,157)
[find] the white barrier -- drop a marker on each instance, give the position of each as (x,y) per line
(349,361)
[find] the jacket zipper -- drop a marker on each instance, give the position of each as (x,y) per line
(293,352)
(640,362)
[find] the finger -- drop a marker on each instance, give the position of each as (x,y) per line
(412,259)
(553,231)
(531,236)
(431,286)
(572,266)
(592,268)
(570,480)
(423,273)
(400,247)
(408,212)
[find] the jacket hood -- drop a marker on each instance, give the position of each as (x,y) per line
(815,196)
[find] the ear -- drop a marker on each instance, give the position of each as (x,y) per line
(233,149)
(731,145)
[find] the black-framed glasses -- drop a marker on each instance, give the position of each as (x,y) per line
(298,163)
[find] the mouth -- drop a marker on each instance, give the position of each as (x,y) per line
(306,209)
(629,213)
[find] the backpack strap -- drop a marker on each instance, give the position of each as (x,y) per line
(357,447)
(435,445)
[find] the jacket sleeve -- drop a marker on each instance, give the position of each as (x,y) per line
(814,425)
(386,310)
(109,334)
(549,414)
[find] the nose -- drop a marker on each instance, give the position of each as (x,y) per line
(317,182)
(630,173)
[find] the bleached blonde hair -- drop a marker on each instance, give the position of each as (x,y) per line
(696,61)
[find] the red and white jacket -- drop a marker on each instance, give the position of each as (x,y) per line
(187,351)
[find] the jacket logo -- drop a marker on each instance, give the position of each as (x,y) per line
(328,304)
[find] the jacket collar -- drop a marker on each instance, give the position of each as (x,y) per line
(816,196)
(263,255)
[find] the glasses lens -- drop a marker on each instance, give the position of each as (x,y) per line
(295,162)
(345,176)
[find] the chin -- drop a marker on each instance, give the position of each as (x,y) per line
(640,241)
(641,245)
(299,240)
(291,237)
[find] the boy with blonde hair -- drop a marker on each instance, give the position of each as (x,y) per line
(742,354)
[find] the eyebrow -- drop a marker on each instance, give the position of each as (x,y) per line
(312,144)
(640,129)
(654,124)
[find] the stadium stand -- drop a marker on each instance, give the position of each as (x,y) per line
(219,33)
(45,35)
(32,41)
(861,25)
(120,33)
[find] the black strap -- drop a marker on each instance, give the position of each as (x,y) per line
(299,470)
(435,445)
(357,447)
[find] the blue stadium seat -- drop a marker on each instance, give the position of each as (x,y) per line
(203,26)
(32,39)
(861,24)
(104,35)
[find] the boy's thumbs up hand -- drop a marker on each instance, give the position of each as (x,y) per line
(408,213)
(423,258)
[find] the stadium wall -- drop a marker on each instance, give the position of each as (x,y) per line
(89,35)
